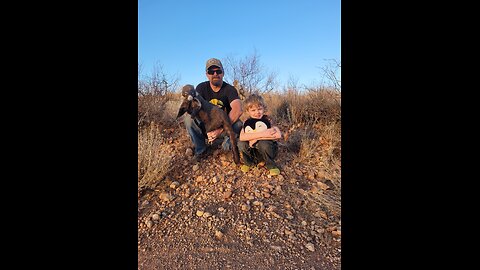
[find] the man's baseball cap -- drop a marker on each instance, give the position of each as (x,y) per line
(213,62)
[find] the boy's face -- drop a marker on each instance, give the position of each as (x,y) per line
(255,111)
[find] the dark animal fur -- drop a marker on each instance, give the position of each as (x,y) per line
(212,116)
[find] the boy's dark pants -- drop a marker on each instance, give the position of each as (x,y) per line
(263,150)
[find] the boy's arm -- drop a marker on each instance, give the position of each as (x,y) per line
(272,133)
(269,134)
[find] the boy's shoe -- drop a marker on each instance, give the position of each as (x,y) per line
(274,171)
(245,168)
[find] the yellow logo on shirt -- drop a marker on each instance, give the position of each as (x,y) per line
(217,102)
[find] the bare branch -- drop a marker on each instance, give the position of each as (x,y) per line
(331,71)
(249,75)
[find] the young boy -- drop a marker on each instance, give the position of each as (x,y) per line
(258,137)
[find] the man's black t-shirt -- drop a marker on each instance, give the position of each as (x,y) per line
(222,98)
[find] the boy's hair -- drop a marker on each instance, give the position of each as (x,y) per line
(254,100)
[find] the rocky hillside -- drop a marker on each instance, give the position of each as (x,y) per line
(210,215)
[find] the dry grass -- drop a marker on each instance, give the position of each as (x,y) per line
(156,108)
(310,107)
(310,121)
(154,156)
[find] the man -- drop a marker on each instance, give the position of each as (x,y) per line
(219,93)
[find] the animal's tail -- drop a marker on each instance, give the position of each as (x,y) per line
(233,140)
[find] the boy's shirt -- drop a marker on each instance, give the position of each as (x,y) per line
(257,125)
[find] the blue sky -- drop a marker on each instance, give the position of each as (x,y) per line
(292,38)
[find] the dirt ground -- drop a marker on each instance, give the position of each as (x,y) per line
(210,215)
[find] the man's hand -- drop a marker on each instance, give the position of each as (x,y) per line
(212,135)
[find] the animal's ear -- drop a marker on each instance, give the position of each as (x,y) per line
(196,104)
(183,108)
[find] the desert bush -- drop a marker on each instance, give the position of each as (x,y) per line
(319,142)
(309,107)
(278,107)
(317,145)
(154,156)
(154,92)
(157,109)
(313,106)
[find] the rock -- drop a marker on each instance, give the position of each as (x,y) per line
(245,207)
(227,194)
(310,246)
(174,185)
(257,203)
(225,163)
(155,217)
(189,152)
(276,248)
(149,223)
(164,196)
(323,185)
(248,196)
(271,208)
(320,214)
(200,213)
(218,234)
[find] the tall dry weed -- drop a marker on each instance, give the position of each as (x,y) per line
(309,107)
(154,156)
(155,108)
(317,145)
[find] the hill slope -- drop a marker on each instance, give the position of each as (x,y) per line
(210,215)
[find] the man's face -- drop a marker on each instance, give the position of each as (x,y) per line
(215,75)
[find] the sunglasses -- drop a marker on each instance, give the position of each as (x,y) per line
(211,72)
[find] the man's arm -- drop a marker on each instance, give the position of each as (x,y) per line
(236,111)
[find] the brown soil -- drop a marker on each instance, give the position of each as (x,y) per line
(210,215)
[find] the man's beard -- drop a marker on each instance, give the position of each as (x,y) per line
(217,83)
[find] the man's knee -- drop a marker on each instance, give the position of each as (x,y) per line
(237,126)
